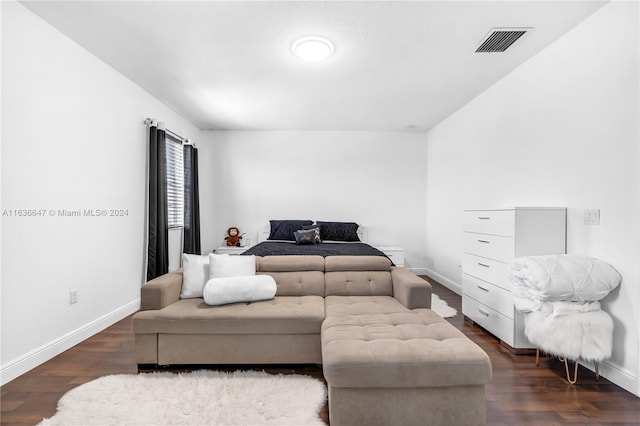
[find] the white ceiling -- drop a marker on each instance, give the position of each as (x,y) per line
(228,64)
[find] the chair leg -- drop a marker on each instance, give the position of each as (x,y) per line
(595,364)
(537,356)
(575,371)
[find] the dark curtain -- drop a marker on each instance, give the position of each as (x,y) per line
(191,243)
(158,247)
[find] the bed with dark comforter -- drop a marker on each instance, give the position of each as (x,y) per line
(284,248)
(303,237)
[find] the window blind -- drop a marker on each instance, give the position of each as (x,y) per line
(175,182)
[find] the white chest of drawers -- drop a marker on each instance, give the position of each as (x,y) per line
(492,238)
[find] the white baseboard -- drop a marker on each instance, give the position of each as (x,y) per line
(30,360)
(451,285)
(617,375)
(418,271)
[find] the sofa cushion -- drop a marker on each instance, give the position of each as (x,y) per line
(358,283)
(356,305)
(410,349)
(281,315)
(291,263)
(295,275)
(357,263)
(300,283)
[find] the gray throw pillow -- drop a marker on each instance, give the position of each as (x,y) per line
(308,236)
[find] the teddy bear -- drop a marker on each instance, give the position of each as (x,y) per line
(233,237)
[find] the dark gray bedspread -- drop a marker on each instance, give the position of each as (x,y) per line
(281,248)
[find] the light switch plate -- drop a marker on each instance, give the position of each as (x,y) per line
(592,217)
(73,296)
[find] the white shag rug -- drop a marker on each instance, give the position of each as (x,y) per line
(196,398)
(441,308)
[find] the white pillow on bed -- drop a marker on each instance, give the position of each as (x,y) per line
(249,288)
(195,275)
(225,265)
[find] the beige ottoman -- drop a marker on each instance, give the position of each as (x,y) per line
(410,368)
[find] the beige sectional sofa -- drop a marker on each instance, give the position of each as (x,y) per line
(386,357)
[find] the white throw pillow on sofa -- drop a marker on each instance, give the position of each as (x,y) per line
(224,265)
(195,275)
(249,288)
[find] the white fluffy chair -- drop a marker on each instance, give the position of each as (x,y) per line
(560,296)
(578,335)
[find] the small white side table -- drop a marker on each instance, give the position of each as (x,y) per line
(230,250)
(396,254)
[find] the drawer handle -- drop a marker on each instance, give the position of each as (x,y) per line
(484,241)
(483,264)
(484,217)
(483,312)
(482,288)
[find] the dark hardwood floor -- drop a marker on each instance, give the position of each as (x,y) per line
(520,393)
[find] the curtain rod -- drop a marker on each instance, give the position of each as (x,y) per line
(151,121)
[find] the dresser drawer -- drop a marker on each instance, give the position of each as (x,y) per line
(488,294)
(494,322)
(490,246)
(495,222)
(487,270)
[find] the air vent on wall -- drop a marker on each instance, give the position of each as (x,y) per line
(500,39)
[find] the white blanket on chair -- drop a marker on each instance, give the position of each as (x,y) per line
(571,278)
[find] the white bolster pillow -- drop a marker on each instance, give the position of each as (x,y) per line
(250,288)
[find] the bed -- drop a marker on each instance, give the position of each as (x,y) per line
(304,237)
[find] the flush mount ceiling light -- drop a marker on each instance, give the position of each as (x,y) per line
(312,49)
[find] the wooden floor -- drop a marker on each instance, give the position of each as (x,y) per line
(520,393)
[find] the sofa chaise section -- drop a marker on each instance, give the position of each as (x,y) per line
(405,368)
(385,363)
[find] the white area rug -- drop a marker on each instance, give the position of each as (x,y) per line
(196,398)
(441,308)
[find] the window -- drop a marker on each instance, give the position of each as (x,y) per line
(175,182)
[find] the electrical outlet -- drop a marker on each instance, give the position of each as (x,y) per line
(592,217)
(73,296)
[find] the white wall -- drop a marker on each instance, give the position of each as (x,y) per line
(376,179)
(561,130)
(72,138)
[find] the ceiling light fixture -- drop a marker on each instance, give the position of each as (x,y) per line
(312,49)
